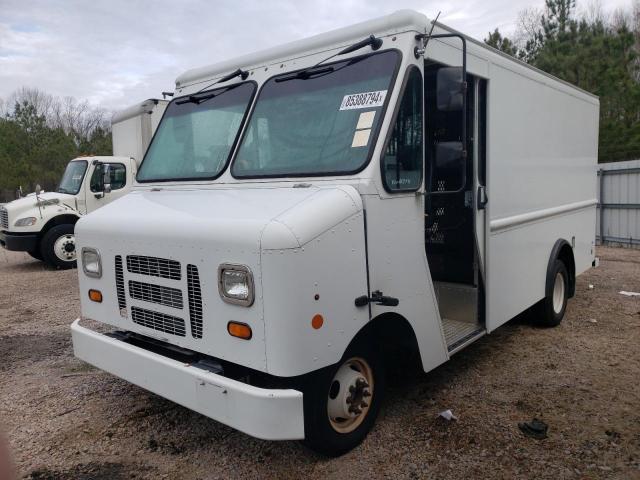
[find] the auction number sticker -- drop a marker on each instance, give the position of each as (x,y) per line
(363,100)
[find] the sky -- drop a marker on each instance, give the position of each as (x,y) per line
(116,53)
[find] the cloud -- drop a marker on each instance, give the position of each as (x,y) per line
(118,52)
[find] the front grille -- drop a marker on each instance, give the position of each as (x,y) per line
(195,301)
(171,297)
(154,266)
(158,321)
(4,218)
(122,301)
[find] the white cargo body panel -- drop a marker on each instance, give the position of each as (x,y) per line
(133,128)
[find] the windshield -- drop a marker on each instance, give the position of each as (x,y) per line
(72,178)
(324,123)
(195,138)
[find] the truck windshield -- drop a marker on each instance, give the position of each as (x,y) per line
(72,178)
(322,123)
(196,135)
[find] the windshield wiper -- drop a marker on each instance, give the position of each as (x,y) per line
(311,72)
(62,190)
(305,74)
(199,98)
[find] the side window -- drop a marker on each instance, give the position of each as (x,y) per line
(118,175)
(402,157)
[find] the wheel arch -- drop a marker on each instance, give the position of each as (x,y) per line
(562,251)
(389,330)
(67,218)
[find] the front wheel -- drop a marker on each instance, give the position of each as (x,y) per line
(58,246)
(341,403)
(35,254)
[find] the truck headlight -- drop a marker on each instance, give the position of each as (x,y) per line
(91,263)
(25,222)
(235,284)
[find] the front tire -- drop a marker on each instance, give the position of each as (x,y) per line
(58,247)
(550,311)
(35,254)
(341,402)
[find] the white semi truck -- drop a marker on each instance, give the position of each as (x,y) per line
(42,223)
(303,211)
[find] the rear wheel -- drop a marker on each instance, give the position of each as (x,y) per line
(58,246)
(550,311)
(342,402)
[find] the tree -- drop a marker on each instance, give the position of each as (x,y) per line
(596,55)
(40,133)
(497,41)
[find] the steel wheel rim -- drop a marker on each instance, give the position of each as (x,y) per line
(558,293)
(350,395)
(64,248)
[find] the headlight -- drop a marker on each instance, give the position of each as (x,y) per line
(25,222)
(91,264)
(235,284)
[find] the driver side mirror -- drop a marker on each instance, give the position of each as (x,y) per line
(106,178)
(448,167)
(449,89)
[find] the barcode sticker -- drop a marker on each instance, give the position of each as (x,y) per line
(363,100)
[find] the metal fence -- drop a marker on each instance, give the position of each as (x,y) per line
(618,221)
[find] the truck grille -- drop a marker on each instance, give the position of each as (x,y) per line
(171,297)
(158,321)
(154,266)
(4,218)
(195,301)
(122,301)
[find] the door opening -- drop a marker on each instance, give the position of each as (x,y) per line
(450,206)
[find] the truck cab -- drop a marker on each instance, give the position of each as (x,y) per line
(42,223)
(308,213)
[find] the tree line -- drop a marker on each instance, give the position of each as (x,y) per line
(40,133)
(594,51)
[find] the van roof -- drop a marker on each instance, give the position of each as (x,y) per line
(394,23)
(400,21)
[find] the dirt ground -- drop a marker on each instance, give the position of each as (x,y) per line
(65,420)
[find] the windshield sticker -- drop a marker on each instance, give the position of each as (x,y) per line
(366,120)
(361,138)
(363,100)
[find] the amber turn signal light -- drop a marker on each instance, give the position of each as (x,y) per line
(95,295)
(240,330)
(317,321)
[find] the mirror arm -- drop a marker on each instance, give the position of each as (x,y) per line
(465,141)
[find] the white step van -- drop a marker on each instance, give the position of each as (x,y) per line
(302,210)
(42,223)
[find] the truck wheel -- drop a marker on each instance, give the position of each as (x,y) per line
(550,310)
(58,246)
(341,403)
(35,254)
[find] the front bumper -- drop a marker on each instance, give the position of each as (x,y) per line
(270,414)
(19,242)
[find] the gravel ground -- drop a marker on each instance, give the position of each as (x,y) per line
(64,419)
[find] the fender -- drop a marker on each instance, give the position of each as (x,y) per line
(562,250)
